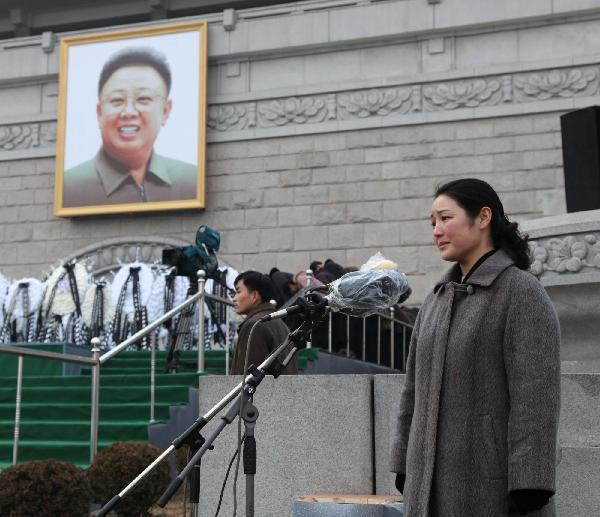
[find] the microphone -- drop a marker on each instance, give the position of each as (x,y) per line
(359,293)
(302,305)
(282,313)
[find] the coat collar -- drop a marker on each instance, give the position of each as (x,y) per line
(485,274)
(262,308)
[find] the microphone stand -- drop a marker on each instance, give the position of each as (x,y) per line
(191,436)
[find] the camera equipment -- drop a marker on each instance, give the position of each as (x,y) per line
(187,261)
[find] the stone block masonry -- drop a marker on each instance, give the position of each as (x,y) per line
(364,191)
(329,125)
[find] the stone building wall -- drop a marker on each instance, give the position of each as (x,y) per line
(329,124)
(286,201)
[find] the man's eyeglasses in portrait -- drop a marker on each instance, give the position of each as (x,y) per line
(142,101)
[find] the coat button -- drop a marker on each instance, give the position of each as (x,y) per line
(470,289)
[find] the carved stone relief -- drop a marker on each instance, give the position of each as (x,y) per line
(27,136)
(223,118)
(380,102)
(353,105)
(565,254)
(294,110)
(505,89)
(545,85)
(464,94)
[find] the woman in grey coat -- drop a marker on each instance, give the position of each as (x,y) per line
(476,432)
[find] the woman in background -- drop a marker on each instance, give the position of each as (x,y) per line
(476,432)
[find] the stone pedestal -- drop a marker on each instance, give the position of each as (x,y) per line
(566,253)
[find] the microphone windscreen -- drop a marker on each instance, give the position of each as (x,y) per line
(362,293)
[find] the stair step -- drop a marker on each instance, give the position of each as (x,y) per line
(145,372)
(72,451)
(106,379)
(78,430)
(77,411)
(81,394)
(56,408)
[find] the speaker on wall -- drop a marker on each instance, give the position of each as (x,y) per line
(581,158)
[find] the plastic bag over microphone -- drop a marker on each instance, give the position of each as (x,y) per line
(365,292)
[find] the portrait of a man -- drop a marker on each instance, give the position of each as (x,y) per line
(134,104)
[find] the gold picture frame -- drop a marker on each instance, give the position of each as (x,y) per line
(131,133)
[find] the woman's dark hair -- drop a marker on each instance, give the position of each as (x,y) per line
(255,281)
(472,195)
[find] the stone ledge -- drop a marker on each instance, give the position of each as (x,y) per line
(575,222)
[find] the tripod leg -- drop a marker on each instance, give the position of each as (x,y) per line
(182,331)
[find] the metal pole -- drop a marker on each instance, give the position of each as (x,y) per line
(404,348)
(378,339)
(152,374)
(364,336)
(227,342)
(309,278)
(392,347)
(309,283)
(329,333)
(95,410)
(151,326)
(18,409)
(347,335)
(201,281)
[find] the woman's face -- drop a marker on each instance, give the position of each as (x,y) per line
(458,237)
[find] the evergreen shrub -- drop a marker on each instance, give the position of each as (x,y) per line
(116,466)
(44,488)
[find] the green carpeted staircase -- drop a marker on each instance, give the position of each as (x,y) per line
(55,410)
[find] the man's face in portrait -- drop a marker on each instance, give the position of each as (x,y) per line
(132,108)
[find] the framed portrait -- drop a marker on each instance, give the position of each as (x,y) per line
(132,121)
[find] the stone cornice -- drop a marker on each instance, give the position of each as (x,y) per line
(550,89)
(519,92)
(414,17)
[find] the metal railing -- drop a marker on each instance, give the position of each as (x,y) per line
(24,352)
(393,321)
(97,360)
(198,298)
(406,331)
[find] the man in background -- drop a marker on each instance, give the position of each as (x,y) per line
(253,291)
(133,105)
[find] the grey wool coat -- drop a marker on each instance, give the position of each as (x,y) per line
(480,405)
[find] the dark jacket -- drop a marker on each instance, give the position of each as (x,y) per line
(266,338)
(479,409)
(281,282)
(330,271)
